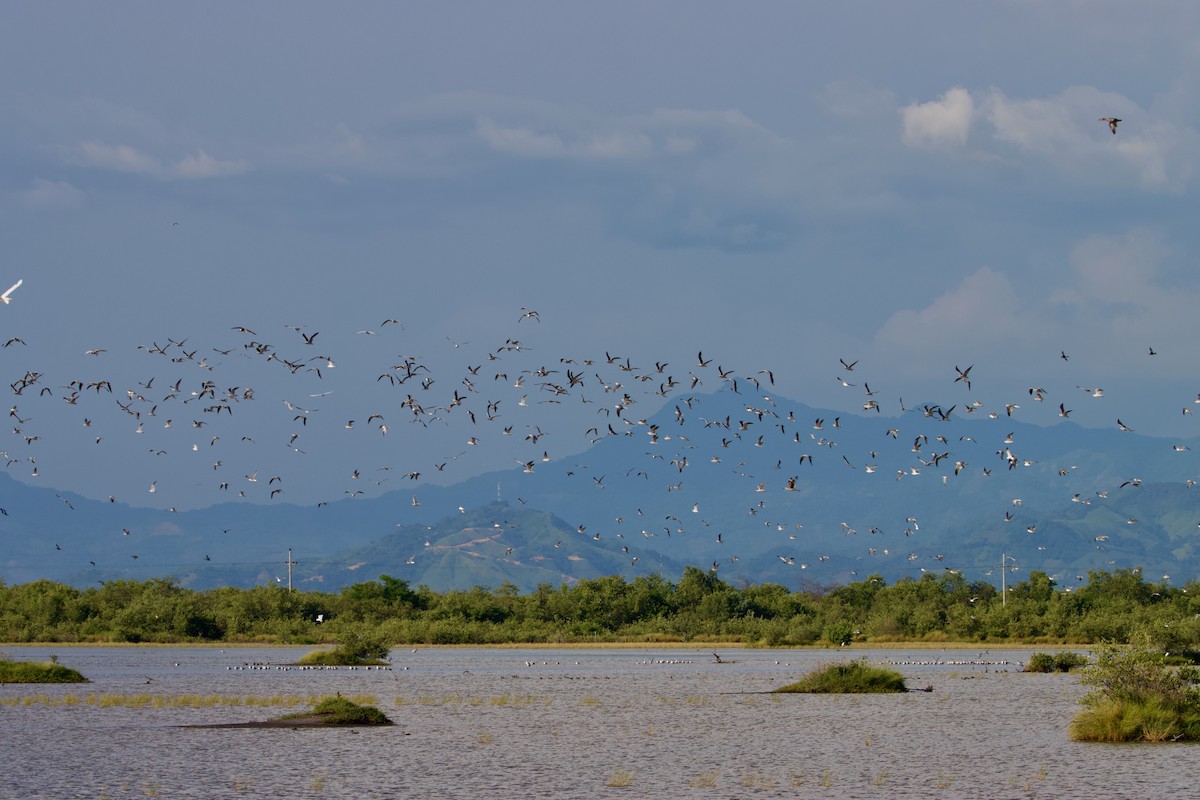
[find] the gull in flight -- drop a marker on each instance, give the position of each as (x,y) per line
(5,297)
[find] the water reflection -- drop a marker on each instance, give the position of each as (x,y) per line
(568,724)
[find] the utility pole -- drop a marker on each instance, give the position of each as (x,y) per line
(1004,578)
(290,564)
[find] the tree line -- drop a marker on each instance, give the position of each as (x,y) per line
(1116,606)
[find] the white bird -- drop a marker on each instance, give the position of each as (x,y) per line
(4,298)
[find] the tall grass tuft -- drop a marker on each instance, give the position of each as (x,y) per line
(705,780)
(620,779)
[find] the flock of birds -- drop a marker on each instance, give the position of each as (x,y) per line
(511,399)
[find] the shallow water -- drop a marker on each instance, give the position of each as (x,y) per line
(566,724)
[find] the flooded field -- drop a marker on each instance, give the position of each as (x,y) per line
(539,723)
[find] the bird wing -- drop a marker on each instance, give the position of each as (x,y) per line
(11,289)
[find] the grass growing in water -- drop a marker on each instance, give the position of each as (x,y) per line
(705,780)
(852,677)
(1137,697)
(29,672)
(620,779)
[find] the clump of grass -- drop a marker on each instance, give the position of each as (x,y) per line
(1137,697)
(853,677)
(620,779)
(756,780)
(1055,662)
(339,710)
(30,672)
(705,780)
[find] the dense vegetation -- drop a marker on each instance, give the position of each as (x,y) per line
(1138,696)
(341,711)
(29,672)
(1111,606)
(851,677)
(358,647)
(1055,662)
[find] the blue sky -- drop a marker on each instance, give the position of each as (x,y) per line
(911,186)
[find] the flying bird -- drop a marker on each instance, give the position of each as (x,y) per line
(4,298)
(1112,123)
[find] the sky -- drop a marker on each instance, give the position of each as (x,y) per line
(918,188)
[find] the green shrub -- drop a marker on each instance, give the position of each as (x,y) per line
(358,646)
(854,677)
(29,672)
(340,711)
(1055,662)
(1137,697)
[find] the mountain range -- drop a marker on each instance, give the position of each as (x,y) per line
(756,489)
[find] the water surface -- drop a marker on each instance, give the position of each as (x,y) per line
(536,723)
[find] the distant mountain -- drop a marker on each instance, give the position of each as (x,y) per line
(490,546)
(767,489)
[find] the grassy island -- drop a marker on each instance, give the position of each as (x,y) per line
(339,711)
(853,677)
(338,657)
(30,672)
(357,646)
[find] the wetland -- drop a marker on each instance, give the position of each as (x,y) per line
(563,723)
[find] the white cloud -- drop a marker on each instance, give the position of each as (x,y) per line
(528,143)
(352,143)
(983,309)
(46,194)
(1062,133)
(124,158)
(1118,270)
(121,158)
(1039,126)
(1116,299)
(520,141)
(202,165)
(946,120)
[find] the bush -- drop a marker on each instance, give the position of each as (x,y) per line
(1055,662)
(358,646)
(1138,697)
(29,672)
(340,711)
(854,677)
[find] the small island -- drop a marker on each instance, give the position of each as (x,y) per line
(332,712)
(31,672)
(852,677)
(357,647)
